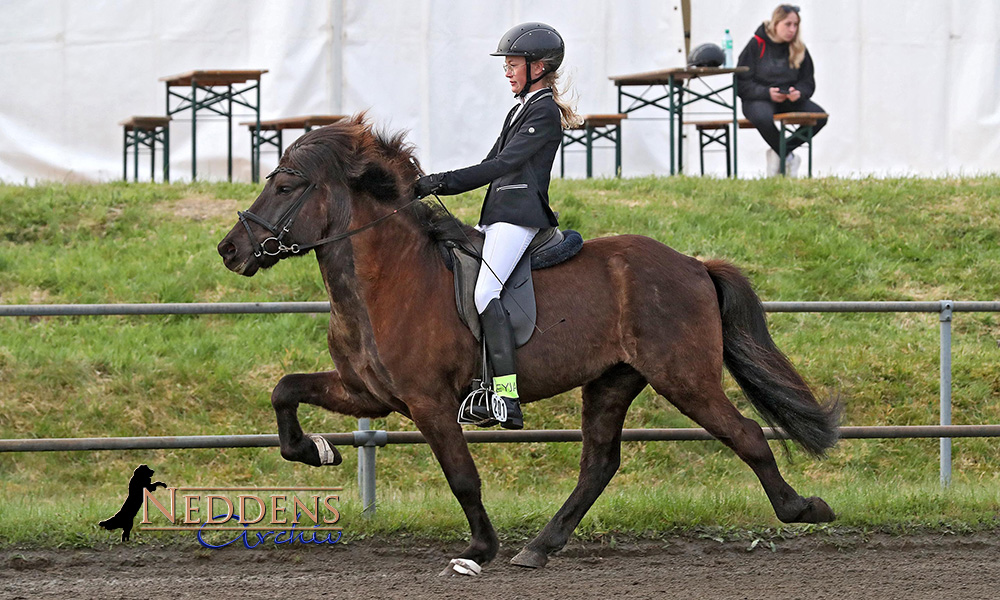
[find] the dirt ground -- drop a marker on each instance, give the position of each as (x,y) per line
(852,566)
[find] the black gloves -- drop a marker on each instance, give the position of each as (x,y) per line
(428,184)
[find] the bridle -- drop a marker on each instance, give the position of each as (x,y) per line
(284,224)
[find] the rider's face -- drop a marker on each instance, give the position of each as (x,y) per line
(514,70)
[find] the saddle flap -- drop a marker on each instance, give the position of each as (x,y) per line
(548,248)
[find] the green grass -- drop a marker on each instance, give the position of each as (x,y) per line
(826,239)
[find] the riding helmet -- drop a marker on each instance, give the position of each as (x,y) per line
(535,42)
(707,55)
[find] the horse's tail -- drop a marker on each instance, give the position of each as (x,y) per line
(764,373)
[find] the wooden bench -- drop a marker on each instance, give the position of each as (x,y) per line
(591,129)
(803,123)
(716,132)
(270,134)
(146,132)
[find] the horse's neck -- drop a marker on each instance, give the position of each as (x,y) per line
(362,278)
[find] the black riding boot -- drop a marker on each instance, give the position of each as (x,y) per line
(500,346)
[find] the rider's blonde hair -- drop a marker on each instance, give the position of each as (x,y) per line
(567,110)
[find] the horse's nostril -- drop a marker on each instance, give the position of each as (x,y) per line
(227,250)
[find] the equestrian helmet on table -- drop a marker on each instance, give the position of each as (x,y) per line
(707,55)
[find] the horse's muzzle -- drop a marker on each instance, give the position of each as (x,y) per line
(237,261)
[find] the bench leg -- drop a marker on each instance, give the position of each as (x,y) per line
(729,141)
(701,151)
(152,155)
(135,157)
(782,147)
(125,155)
(809,133)
(166,154)
(562,159)
(590,152)
(618,150)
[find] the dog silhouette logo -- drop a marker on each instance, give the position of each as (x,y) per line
(142,479)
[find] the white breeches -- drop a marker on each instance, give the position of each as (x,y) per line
(505,243)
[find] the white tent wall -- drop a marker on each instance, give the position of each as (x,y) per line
(72,70)
(913,87)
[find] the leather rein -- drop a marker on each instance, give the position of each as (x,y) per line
(287,219)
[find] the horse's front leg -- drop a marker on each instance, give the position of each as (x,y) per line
(444,436)
(325,390)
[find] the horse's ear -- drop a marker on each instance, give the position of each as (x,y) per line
(378,181)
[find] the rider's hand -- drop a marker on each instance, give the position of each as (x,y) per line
(427,185)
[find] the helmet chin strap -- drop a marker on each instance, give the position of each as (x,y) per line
(531,82)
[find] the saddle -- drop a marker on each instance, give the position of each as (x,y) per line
(549,247)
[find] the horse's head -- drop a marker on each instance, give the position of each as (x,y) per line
(310,196)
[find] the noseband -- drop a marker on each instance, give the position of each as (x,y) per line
(286,220)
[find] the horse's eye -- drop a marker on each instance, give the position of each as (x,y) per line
(284,189)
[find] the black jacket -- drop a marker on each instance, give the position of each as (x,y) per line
(768,62)
(517,168)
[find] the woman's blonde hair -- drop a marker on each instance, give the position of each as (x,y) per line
(796,48)
(567,110)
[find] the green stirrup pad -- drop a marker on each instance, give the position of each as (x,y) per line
(505,386)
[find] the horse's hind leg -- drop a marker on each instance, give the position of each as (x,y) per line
(324,390)
(708,406)
(605,402)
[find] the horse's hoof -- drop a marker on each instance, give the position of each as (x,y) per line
(816,511)
(461,566)
(328,455)
(531,559)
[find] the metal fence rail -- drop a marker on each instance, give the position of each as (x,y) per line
(378,438)
(367,440)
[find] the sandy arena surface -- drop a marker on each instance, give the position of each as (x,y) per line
(843,567)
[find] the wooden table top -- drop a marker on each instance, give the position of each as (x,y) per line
(295,122)
(600,120)
(216,77)
(145,122)
(662,76)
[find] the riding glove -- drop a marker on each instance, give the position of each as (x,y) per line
(428,184)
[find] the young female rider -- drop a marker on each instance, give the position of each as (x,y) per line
(780,80)
(517,170)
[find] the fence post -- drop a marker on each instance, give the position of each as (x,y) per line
(945,388)
(366,470)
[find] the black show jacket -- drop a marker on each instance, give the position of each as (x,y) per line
(517,168)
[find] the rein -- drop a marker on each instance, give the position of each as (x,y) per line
(286,220)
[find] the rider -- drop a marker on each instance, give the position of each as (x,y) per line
(517,170)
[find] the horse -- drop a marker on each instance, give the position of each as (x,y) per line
(635,311)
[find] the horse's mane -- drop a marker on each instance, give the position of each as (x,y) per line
(375,162)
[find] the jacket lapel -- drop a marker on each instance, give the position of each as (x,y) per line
(511,126)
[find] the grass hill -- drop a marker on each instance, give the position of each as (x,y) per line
(824,239)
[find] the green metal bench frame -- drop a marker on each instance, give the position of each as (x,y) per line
(146,132)
(593,128)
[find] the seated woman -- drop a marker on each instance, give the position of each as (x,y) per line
(780,80)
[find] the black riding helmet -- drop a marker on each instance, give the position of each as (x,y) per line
(535,42)
(707,55)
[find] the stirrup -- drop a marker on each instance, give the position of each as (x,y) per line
(482,407)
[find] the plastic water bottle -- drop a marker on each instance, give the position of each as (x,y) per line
(727,48)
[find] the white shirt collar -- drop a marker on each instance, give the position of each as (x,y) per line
(528,96)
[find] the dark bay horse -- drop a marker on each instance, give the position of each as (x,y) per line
(636,313)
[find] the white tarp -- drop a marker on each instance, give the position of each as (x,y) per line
(912,86)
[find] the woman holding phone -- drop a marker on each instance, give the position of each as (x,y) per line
(780,80)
